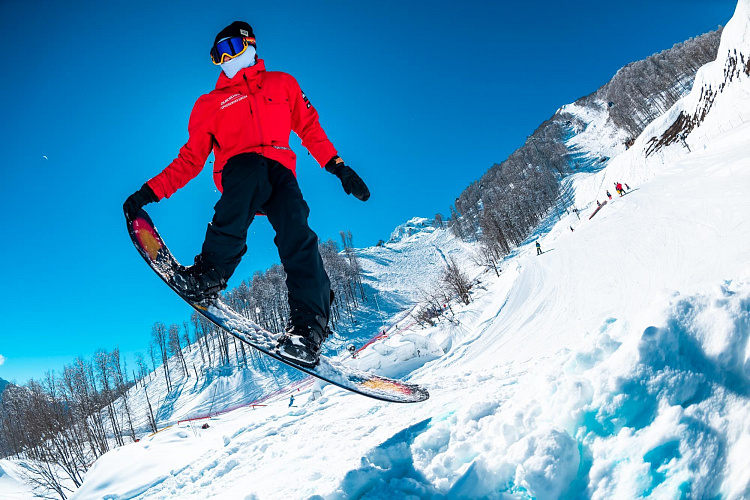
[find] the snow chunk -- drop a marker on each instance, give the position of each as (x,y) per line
(547,462)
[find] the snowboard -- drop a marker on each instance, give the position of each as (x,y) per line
(154,251)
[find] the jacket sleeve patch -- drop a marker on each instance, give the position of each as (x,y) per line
(307,101)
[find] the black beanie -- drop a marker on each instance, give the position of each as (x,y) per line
(236,29)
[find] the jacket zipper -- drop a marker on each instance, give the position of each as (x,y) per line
(255,115)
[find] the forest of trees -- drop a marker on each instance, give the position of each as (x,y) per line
(63,423)
(512,197)
(643,90)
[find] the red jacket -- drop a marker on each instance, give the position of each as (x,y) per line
(254,112)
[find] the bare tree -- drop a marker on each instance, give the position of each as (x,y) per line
(102,366)
(140,363)
(457,281)
(159,339)
(119,371)
(175,347)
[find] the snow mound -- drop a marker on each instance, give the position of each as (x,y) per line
(399,355)
(143,465)
(650,417)
(643,408)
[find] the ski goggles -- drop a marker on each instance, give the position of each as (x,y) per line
(229,48)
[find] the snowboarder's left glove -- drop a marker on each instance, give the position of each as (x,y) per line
(138,200)
(352,183)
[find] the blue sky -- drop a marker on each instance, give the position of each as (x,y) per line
(419,98)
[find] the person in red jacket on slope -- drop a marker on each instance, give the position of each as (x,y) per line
(246,121)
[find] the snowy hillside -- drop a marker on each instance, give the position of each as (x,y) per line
(717,104)
(614,365)
(412,261)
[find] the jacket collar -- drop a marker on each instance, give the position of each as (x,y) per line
(249,73)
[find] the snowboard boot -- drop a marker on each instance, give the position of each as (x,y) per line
(200,282)
(303,339)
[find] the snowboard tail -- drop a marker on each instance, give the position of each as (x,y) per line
(154,251)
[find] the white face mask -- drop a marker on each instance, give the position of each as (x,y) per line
(244,60)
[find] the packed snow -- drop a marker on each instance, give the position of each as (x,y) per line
(614,365)
(13,483)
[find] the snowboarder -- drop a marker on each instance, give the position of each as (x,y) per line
(609,195)
(246,121)
(538,248)
(627,187)
(619,189)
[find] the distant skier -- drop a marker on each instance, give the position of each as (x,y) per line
(246,121)
(598,204)
(609,195)
(538,248)
(627,187)
(291,401)
(571,229)
(620,190)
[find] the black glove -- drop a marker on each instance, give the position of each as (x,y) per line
(138,200)
(351,182)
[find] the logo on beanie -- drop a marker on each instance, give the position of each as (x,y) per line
(244,33)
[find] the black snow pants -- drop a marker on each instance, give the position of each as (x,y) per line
(252,183)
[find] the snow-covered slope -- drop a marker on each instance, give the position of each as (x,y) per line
(412,261)
(12,481)
(615,365)
(717,103)
(600,139)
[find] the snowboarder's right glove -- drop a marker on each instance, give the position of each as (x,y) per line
(352,183)
(138,200)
